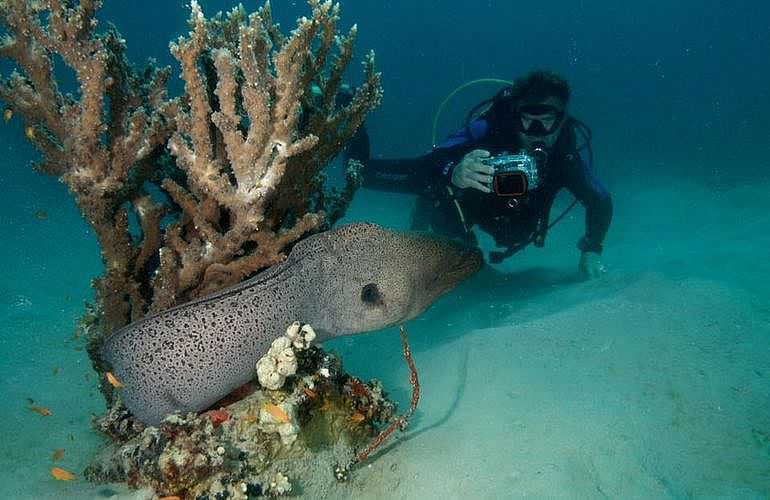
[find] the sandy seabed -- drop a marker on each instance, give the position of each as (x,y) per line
(652,382)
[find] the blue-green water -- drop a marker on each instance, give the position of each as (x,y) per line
(652,382)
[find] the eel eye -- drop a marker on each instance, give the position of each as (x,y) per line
(370,294)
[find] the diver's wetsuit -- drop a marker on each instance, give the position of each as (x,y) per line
(512,224)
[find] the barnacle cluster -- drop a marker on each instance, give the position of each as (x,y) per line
(280,361)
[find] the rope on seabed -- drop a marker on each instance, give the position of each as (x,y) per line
(341,473)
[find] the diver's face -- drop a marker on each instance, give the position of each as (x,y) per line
(540,122)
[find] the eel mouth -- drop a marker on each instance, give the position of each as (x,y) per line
(457,264)
(465,262)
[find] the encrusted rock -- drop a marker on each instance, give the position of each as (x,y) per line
(266,445)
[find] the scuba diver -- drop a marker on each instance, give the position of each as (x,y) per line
(502,172)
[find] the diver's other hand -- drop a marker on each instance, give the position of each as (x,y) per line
(591,266)
(472,172)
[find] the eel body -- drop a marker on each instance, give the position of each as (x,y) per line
(356,278)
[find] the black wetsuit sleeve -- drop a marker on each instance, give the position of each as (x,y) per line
(438,166)
(403,175)
(410,175)
(584,185)
(383,175)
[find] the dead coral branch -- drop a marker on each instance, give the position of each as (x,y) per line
(341,473)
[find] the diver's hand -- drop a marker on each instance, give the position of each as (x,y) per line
(591,266)
(471,172)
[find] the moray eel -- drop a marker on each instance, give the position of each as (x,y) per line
(356,278)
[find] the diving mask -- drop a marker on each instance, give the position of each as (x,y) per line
(538,120)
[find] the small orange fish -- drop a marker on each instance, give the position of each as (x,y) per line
(172,497)
(310,393)
(57,454)
(277,413)
(62,475)
(357,418)
(249,418)
(7,114)
(29,132)
(41,410)
(113,380)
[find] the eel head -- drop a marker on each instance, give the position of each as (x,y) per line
(373,277)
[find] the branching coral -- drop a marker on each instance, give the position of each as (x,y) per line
(93,141)
(248,141)
(252,160)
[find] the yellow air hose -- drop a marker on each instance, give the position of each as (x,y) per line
(456,91)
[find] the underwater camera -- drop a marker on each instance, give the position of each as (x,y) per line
(516,175)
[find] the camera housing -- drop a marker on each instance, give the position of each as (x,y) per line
(515,175)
